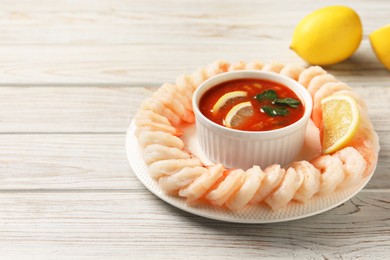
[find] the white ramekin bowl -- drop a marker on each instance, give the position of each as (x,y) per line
(243,149)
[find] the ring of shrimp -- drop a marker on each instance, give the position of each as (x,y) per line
(182,174)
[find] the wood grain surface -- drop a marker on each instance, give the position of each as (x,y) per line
(105,224)
(72,76)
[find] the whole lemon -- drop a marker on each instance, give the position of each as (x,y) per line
(328,35)
(380,42)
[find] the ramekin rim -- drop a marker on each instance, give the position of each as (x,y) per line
(305,95)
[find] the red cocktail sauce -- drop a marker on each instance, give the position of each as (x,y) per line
(259,120)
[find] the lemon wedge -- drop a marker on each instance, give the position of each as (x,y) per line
(328,35)
(340,122)
(380,42)
(238,114)
(226,97)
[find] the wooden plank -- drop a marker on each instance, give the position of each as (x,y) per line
(121,64)
(69,109)
(151,63)
(139,225)
(203,9)
(228,7)
(140,26)
(137,23)
(65,162)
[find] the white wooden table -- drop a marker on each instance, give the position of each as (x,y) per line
(72,75)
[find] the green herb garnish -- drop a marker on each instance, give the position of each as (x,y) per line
(275,111)
(291,102)
(268,94)
(280,105)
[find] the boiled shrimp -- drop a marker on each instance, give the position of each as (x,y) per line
(369,151)
(217,67)
(158,107)
(312,144)
(366,142)
(252,182)
(157,152)
(311,180)
(203,183)
(232,182)
(202,74)
(284,193)
(308,74)
(170,101)
(186,91)
(185,82)
(171,166)
(177,93)
(292,71)
(237,66)
(254,65)
(148,121)
(354,165)
(199,77)
(182,178)
(273,67)
(146,138)
(332,172)
(158,127)
(150,115)
(318,81)
(273,176)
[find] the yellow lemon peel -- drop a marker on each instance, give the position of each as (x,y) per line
(328,35)
(340,122)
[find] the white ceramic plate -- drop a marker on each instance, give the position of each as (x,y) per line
(250,214)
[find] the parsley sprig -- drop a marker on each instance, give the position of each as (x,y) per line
(291,102)
(274,111)
(269,94)
(280,105)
